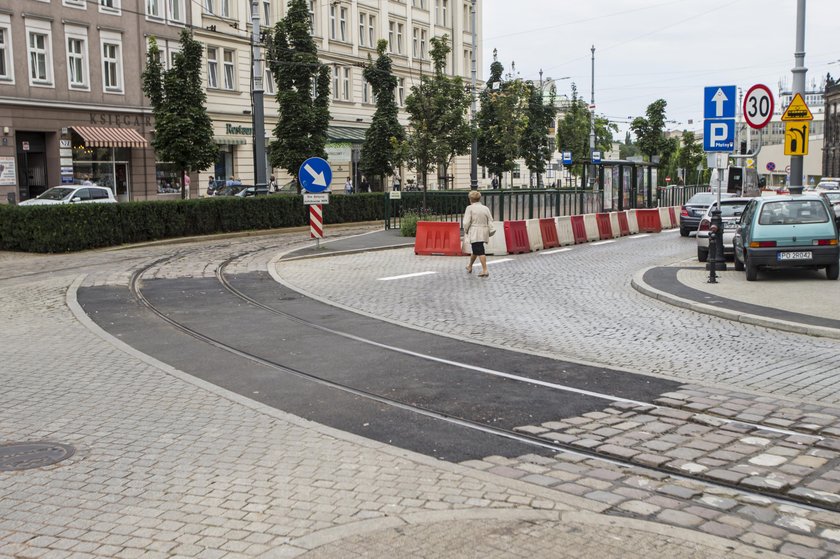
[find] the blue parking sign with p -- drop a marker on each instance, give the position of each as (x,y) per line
(719,134)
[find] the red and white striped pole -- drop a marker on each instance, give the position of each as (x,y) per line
(316,223)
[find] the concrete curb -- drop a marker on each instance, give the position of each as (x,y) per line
(638,283)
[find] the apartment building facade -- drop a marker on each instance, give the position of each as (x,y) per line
(71,101)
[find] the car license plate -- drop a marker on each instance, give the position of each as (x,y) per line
(807,255)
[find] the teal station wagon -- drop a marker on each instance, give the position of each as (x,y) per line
(796,231)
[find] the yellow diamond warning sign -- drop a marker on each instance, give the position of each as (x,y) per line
(797,110)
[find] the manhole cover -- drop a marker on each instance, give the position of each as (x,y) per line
(23,456)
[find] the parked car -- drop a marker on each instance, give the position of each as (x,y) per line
(730,212)
(833,198)
(692,212)
(248,191)
(787,231)
(829,184)
(73,194)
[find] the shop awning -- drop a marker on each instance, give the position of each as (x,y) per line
(228,141)
(101,137)
(346,134)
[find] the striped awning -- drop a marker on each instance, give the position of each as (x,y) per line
(101,137)
(229,141)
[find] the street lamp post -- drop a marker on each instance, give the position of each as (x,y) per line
(258,119)
(593,169)
(799,70)
(474,150)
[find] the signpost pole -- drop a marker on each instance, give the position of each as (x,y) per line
(257,91)
(797,161)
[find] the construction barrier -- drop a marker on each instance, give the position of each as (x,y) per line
(534,234)
(564,230)
(438,238)
(578,229)
(614,225)
(675,216)
(632,222)
(497,245)
(648,221)
(623,224)
(516,237)
(548,232)
(604,226)
(590,222)
(665,218)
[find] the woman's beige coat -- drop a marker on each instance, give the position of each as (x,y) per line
(477,220)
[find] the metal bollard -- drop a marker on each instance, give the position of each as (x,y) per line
(711,264)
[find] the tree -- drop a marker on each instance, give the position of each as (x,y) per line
(501,121)
(649,136)
(573,131)
(183,129)
(437,110)
(380,152)
(535,147)
(690,155)
(303,91)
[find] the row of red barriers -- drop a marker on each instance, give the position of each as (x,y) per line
(443,238)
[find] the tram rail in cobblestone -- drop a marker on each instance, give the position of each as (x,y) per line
(510,434)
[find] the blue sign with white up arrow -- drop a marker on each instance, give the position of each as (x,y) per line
(719,101)
(719,114)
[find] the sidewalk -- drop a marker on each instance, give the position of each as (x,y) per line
(170,466)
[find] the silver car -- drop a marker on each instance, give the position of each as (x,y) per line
(73,194)
(730,213)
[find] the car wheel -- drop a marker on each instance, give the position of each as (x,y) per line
(702,254)
(739,266)
(752,270)
(683,232)
(832,271)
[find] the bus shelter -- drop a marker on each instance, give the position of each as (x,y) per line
(626,184)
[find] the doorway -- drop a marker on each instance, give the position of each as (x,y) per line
(32,163)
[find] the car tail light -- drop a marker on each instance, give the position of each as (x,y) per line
(684,212)
(825,242)
(704,225)
(762,244)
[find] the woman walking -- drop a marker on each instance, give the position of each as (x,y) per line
(478,227)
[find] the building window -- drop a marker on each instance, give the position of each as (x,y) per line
(415,44)
(345,84)
(77,60)
(517,171)
(372,31)
(269,82)
(40,57)
(153,9)
(367,30)
(441,13)
(109,6)
(424,36)
(401,91)
(177,11)
(212,67)
(467,61)
(267,12)
(336,79)
(230,83)
(112,79)
(312,16)
(210,6)
(342,24)
(366,96)
(419,4)
(467,19)
(6,73)
(333,21)
(75,4)
(395,37)
(224,8)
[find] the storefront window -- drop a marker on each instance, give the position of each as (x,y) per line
(168,178)
(102,166)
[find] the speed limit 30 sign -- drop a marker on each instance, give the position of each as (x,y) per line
(758,106)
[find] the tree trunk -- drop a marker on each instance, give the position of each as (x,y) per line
(183,184)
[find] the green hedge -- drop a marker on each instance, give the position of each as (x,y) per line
(72,227)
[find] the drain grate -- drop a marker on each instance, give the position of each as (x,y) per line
(24,456)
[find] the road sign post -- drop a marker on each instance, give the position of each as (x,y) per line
(758,106)
(718,136)
(315,176)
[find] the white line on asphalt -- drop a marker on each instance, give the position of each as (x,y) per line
(602,243)
(497,261)
(406,276)
(670,230)
(556,251)
(640,236)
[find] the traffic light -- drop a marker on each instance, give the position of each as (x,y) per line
(743,148)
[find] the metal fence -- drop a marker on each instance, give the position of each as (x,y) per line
(505,205)
(677,195)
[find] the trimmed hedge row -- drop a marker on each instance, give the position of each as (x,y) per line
(73,227)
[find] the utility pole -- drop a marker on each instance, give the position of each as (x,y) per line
(592,168)
(258,118)
(474,150)
(799,70)
(542,100)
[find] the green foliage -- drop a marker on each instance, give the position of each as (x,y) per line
(437,110)
(409,219)
(501,121)
(574,129)
(73,227)
(690,155)
(292,56)
(380,152)
(649,129)
(183,129)
(535,146)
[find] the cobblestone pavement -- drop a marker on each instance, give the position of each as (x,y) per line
(578,305)
(168,466)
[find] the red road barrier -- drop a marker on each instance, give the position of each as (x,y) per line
(548,229)
(623,225)
(604,226)
(672,211)
(649,221)
(516,237)
(579,229)
(438,238)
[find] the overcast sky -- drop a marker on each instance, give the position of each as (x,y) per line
(650,49)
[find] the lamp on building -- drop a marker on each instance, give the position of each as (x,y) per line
(5,130)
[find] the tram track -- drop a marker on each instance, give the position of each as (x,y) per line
(429,412)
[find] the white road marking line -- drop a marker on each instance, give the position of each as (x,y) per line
(497,261)
(556,251)
(640,236)
(602,243)
(670,230)
(405,276)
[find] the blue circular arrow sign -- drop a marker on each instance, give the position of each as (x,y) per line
(315,175)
